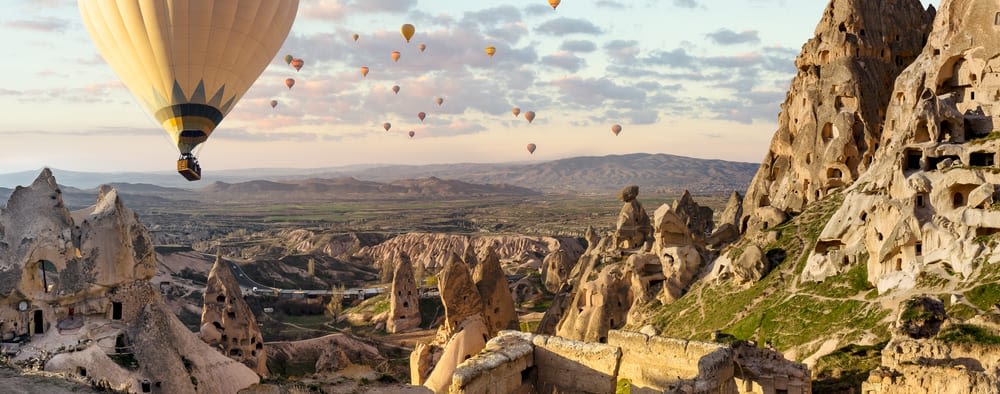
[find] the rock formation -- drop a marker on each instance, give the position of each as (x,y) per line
(832,120)
(555,269)
(228,323)
(697,218)
(633,229)
(404,300)
(498,305)
(433,250)
(325,354)
(77,284)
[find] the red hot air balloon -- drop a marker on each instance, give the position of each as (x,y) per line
(364,71)
(531,148)
(421,115)
(616,129)
(516,111)
(422,47)
(274,103)
(395,56)
(395,89)
(298,63)
(530,116)
(289,82)
(386,126)
(439,101)
(412,133)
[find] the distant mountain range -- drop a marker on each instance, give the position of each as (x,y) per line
(578,174)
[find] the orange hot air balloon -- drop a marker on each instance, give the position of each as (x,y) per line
(364,71)
(395,89)
(439,101)
(407,31)
(516,111)
(616,129)
(531,148)
(422,47)
(274,103)
(491,50)
(412,133)
(530,116)
(355,36)
(298,63)
(288,59)
(386,126)
(554,3)
(421,116)
(289,82)
(395,56)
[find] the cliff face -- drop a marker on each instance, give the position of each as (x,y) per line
(831,121)
(433,250)
(227,321)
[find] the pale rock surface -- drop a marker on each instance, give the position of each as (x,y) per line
(404,298)
(228,323)
(633,229)
(698,219)
(432,250)
(498,304)
(555,269)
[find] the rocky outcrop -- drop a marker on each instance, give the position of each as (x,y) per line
(432,250)
(404,299)
(327,354)
(698,219)
(832,120)
(498,305)
(555,269)
(76,288)
(633,228)
(228,323)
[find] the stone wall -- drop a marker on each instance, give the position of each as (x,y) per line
(656,363)
(567,366)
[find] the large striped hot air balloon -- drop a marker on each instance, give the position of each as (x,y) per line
(188,62)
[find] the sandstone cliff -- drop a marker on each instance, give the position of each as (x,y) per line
(228,323)
(433,250)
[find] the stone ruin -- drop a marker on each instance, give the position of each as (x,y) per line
(76,299)
(228,323)
(404,298)
(516,362)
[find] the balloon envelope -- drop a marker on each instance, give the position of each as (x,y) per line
(516,111)
(355,36)
(288,59)
(421,116)
(407,31)
(491,50)
(395,56)
(554,3)
(530,116)
(412,133)
(386,126)
(422,47)
(298,63)
(274,103)
(289,82)
(439,101)
(616,129)
(188,62)
(395,89)
(531,148)
(364,71)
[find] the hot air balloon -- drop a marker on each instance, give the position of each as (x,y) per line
(298,63)
(407,30)
(491,50)
(554,3)
(516,111)
(364,71)
(288,59)
(530,116)
(439,101)
(166,63)
(412,133)
(531,148)
(422,47)
(421,115)
(395,56)
(616,129)
(289,82)
(386,126)
(355,36)
(274,103)
(395,89)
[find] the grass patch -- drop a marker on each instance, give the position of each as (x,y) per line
(984,296)
(846,368)
(968,333)
(624,386)
(961,312)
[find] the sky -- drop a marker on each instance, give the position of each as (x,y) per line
(698,78)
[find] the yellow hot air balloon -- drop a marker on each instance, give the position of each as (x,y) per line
(516,111)
(364,71)
(188,62)
(530,116)
(395,56)
(554,3)
(407,31)
(491,50)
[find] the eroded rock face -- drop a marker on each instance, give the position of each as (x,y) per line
(327,354)
(601,301)
(697,218)
(832,119)
(432,250)
(404,299)
(228,323)
(555,269)
(498,305)
(633,229)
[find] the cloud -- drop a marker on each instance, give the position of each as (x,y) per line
(728,37)
(594,92)
(624,51)
(565,61)
(335,10)
(579,46)
(686,3)
(610,4)
(41,24)
(563,26)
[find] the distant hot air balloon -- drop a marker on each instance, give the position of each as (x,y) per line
(161,67)
(298,63)
(421,115)
(274,103)
(386,126)
(422,47)
(491,50)
(364,71)
(530,116)
(395,89)
(616,129)
(395,56)
(554,3)
(412,133)
(407,30)
(288,59)
(439,101)
(355,36)
(516,111)
(289,82)
(531,148)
